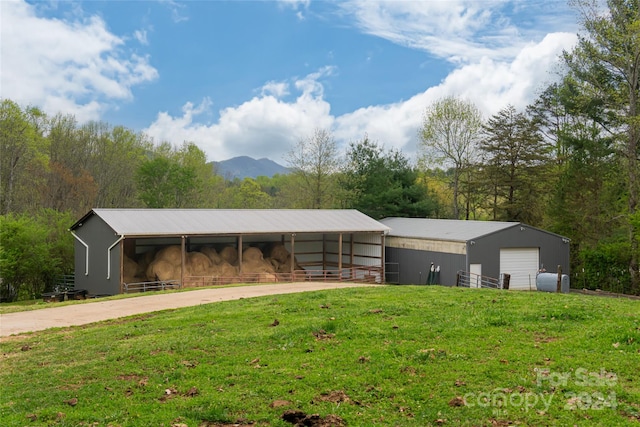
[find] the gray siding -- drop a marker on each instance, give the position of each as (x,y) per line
(486,249)
(413,265)
(99,236)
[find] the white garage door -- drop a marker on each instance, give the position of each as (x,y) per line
(522,264)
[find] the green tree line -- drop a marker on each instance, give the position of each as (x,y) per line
(567,163)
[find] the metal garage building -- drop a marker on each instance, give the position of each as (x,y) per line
(481,248)
(344,244)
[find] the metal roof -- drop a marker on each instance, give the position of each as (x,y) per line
(443,229)
(190,222)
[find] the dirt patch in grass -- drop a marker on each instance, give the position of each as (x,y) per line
(543,339)
(336,396)
(216,424)
(299,419)
(323,335)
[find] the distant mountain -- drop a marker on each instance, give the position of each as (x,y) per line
(245,166)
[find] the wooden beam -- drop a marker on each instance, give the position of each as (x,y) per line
(293,253)
(121,272)
(324,251)
(351,258)
(183,259)
(239,244)
(340,254)
(383,279)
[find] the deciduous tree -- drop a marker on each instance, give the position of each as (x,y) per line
(450,129)
(21,147)
(315,160)
(605,65)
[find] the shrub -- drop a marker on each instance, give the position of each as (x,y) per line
(35,250)
(606,267)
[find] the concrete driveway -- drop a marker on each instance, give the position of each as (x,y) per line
(82,314)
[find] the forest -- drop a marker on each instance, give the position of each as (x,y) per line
(568,163)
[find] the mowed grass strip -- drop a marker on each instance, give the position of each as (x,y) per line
(396,355)
(28,305)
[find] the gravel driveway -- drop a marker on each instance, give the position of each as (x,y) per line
(81,314)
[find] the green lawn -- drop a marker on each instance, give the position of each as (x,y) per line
(397,355)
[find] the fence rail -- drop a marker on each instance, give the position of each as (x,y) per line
(150,286)
(352,274)
(471,280)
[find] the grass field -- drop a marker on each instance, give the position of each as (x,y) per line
(397,356)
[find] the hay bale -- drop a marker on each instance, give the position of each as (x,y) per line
(223,273)
(230,255)
(267,278)
(172,254)
(228,270)
(256,268)
(278,252)
(129,267)
(161,270)
(130,270)
(212,254)
(252,254)
(285,267)
(198,264)
(143,261)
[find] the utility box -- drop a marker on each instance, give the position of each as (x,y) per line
(548,282)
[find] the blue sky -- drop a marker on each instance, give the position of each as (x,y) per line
(253,77)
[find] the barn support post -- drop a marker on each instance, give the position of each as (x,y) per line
(559,283)
(239,244)
(351,257)
(183,258)
(324,252)
(121,273)
(340,255)
(383,278)
(293,253)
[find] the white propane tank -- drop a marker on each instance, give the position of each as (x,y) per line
(548,282)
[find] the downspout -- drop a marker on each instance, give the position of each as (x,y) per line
(86,251)
(109,256)
(467,266)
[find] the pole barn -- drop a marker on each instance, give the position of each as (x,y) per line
(117,250)
(488,249)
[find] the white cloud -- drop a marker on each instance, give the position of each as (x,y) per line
(296,5)
(265,126)
(447,29)
(78,66)
(177,10)
(141,36)
(268,126)
(488,83)
(461,31)
(277,89)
